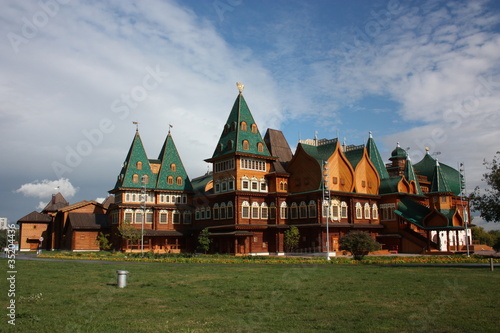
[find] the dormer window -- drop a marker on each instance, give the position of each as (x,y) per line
(246,145)
(138,165)
(254,128)
(173,167)
(135,178)
(243,126)
(260,147)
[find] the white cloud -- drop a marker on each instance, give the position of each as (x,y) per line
(46,188)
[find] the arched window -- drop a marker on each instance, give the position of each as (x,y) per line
(230,144)
(179,180)
(176,217)
(312,208)
(243,126)
(335,210)
(245,210)
(233,126)
(359,211)
(138,165)
(170,180)
(163,216)
(282,186)
(128,216)
(230,212)
(219,147)
(222,213)
(293,211)
(149,216)
(367,211)
(264,211)
(197,214)
(145,179)
(255,210)
(187,217)
(254,128)
(245,184)
(208,213)
(173,167)
(272,211)
(374,212)
(260,147)
(216,211)
(138,216)
(263,185)
(343,210)
(246,145)
(283,210)
(302,210)
(135,178)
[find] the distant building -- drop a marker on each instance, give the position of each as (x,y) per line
(3,223)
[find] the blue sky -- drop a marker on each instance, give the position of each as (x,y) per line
(74,76)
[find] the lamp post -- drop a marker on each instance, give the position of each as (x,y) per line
(465,213)
(143,204)
(326,202)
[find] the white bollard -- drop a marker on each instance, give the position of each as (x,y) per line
(122,278)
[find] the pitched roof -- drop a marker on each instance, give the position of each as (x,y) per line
(55,203)
(426,168)
(439,183)
(169,156)
(88,221)
(199,184)
(410,175)
(130,168)
(322,152)
(234,134)
(355,155)
(36,217)
(278,147)
(80,204)
(417,213)
(110,199)
(376,159)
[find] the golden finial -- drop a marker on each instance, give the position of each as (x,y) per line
(240,86)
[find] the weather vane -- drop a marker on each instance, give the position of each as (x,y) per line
(136,123)
(240,86)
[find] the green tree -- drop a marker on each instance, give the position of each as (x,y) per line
(358,243)
(488,203)
(103,241)
(204,241)
(130,233)
(292,237)
(481,236)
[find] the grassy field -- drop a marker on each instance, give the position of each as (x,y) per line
(82,297)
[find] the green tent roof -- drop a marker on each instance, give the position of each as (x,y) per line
(354,156)
(233,136)
(320,153)
(130,168)
(410,175)
(376,159)
(452,177)
(170,156)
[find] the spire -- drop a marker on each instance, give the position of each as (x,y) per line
(171,166)
(375,157)
(410,175)
(439,183)
(136,166)
(240,134)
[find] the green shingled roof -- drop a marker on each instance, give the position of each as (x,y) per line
(389,185)
(399,152)
(354,156)
(200,183)
(439,183)
(320,153)
(169,156)
(410,175)
(426,168)
(376,159)
(233,136)
(135,154)
(415,213)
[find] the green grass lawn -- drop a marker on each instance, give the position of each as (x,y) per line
(83,297)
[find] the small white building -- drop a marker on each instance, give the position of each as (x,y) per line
(3,223)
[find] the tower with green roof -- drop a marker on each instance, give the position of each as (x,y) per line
(241,158)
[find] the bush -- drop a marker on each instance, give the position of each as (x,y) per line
(358,243)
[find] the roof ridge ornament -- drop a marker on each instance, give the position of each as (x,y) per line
(240,86)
